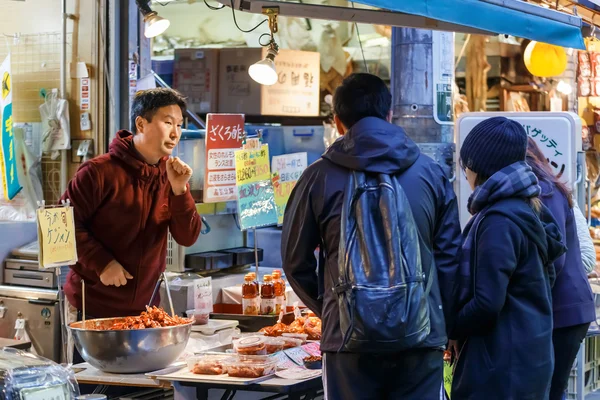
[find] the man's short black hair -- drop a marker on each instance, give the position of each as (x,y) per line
(147,102)
(360,96)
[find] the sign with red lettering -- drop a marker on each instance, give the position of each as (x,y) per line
(223,138)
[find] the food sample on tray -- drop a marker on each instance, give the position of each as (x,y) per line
(153,317)
(246,368)
(310,326)
(208,364)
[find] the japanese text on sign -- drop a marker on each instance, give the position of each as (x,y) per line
(223,138)
(550,148)
(56,237)
(287,169)
(252,165)
(256,202)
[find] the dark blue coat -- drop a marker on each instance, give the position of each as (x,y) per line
(313,213)
(572,298)
(506,326)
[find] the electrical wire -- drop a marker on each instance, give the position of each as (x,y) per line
(236,24)
(213,7)
(360,43)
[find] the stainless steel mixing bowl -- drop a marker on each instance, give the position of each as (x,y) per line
(129,351)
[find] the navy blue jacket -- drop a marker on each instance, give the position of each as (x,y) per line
(505,329)
(313,213)
(572,298)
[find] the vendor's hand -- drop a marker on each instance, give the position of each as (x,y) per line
(179,174)
(114,274)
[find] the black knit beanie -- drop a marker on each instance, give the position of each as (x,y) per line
(492,145)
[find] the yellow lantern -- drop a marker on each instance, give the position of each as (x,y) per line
(545,60)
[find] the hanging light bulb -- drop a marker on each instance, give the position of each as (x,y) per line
(264,71)
(154,24)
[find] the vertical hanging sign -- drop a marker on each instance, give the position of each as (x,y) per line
(8,159)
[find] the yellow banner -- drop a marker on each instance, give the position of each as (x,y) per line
(56,237)
(252,165)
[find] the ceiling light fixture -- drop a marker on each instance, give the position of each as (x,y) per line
(155,24)
(264,71)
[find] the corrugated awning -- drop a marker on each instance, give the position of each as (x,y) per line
(511,17)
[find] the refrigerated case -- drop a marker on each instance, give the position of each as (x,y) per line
(41,311)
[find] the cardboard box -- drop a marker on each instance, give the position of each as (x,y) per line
(195,75)
(296,94)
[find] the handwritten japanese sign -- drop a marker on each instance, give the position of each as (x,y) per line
(8,159)
(223,138)
(297,89)
(256,202)
(286,172)
(56,237)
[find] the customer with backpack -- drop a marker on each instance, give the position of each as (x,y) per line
(504,319)
(572,298)
(386,219)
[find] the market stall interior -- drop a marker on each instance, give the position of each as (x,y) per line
(259,76)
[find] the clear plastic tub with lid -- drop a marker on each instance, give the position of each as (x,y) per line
(274,344)
(251,346)
(246,367)
(209,364)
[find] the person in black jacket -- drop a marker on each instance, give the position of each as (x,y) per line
(572,298)
(504,299)
(370,143)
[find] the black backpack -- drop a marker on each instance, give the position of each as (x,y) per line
(382,291)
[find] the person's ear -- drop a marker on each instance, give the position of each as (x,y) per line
(140,123)
(341,128)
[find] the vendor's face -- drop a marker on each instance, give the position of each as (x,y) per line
(161,135)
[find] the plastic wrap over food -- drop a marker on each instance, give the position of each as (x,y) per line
(24,376)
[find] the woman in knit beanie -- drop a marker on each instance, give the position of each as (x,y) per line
(502,330)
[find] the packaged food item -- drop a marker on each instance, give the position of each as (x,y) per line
(291,342)
(279,283)
(255,281)
(208,364)
(267,296)
(250,296)
(247,368)
(585,66)
(584,86)
(303,337)
(312,327)
(240,335)
(586,137)
(595,86)
(251,346)
(595,63)
(274,344)
(200,317)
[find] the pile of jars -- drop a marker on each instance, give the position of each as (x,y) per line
(266,298)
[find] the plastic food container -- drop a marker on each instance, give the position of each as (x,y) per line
(251,346)
(301,336)
(274,344)
(240,335)
(208,364)
(200,317)
(291,342)
(250,368)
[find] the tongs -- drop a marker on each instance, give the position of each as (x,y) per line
(163,278)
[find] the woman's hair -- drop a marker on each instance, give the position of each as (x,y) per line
(539,164)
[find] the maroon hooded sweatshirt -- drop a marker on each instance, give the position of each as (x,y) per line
(123,208)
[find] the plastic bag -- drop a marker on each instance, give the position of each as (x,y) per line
(27,376)
(55,117)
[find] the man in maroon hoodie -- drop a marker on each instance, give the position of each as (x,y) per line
(124,203)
